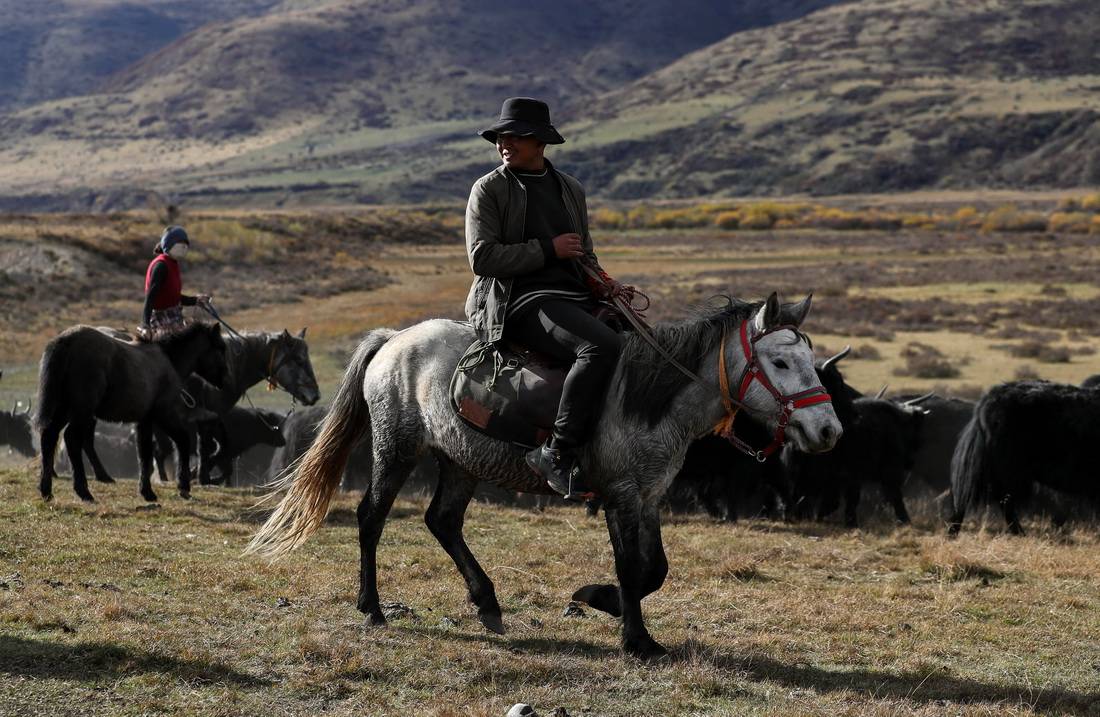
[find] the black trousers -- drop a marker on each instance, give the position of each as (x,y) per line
(566,332)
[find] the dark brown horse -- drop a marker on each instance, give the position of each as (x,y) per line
(87,375)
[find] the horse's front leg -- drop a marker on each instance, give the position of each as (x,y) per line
(144,432)
(652,561)
(627,528)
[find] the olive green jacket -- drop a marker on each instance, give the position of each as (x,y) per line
(497,249)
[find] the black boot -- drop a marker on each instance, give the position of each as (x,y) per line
(558,467)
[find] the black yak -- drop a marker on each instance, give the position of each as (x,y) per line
(878,446)
(1024,435)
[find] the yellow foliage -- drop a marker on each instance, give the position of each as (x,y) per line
(755,217)
(728,220)
(606,218)
(1070,222)
(1008,218)
(968,218)
(1091,203)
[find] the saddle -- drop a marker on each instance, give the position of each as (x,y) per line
(512,393)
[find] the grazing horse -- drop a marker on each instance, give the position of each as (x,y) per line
(86,375)
(395,394)
(1025,434)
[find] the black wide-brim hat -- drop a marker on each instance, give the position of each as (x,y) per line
(525,117)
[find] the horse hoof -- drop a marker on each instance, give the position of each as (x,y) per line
(604,598)
(48,497)
(376,619)
(86,497)
(492,622)
(185,494)
(149,496)
(645,649)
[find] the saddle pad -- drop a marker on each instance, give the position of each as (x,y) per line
(507,393)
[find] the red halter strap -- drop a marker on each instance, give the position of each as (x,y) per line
(754,371)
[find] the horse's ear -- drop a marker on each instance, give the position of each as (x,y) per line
(285,334)
(302,333)
(795,314)
(767,316)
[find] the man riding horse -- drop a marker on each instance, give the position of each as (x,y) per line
(526,232)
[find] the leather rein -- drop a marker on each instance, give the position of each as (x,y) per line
(754,371)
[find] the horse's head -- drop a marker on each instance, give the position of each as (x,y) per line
(291,368)
(211,364)
(784,358)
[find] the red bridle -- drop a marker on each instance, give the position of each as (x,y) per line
(754,371)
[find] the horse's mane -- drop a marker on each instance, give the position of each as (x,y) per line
(649,381)
(173,340)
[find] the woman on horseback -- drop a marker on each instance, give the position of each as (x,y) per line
(164,300)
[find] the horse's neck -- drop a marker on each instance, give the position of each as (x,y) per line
(248,363)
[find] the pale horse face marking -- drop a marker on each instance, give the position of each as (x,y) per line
(789,364)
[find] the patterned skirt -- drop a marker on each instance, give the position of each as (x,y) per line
(166,322)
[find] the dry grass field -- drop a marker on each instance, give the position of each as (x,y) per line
(122,608)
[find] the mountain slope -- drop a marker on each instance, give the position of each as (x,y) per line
(378,101)
(307,79)
(54,48)
(877,96)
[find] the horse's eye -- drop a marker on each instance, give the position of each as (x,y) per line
(781,364)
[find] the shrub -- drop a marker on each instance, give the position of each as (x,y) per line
(680,218)
(967,218)
(867,352)
(924,361)
(1026,372)
(728,220)
(756,218)
(1070,222)
(605,218)
(640,217)
(1090,203)
(1008,218)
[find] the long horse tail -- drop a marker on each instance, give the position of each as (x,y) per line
(970,464)
(313,479)
(52,370)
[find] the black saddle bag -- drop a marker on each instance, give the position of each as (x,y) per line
(510,393)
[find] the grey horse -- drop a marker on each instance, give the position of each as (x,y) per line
(395,395)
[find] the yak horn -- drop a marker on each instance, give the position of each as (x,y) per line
(919,399)
(882,391)
(833,359)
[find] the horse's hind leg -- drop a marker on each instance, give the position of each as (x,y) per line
(47,441)
(445,517)
(74,444)
(388,474)
(101,474)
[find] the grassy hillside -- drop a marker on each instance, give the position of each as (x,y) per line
(880,95)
